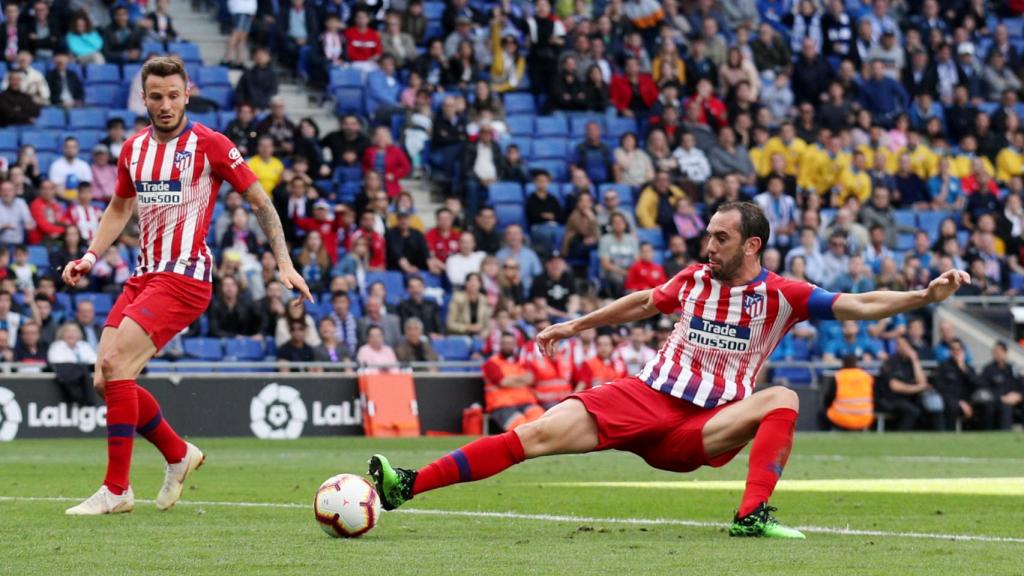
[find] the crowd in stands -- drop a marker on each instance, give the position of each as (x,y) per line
(581,148)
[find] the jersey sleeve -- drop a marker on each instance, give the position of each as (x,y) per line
(666,296)
(809,301)
(125,187)
(227,162)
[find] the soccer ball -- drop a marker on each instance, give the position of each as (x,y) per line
(346,506)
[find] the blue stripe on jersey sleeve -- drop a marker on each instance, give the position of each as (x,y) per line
(819,304)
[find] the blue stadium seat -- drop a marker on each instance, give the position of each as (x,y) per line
(505,193)
(509,214)
(224,118)
(904,241)
(222,95)
(520,125)
(159,366)
(433,10)
(87,118)
(524,143)
(102,74)
(42,140)
(87,139)
(578,124)
(1014,27)
(205,118)
(625,192)
(213,76)
(64,303)
(800,348)
(8,139)
(152,48)
(519,103)
(102,301)
(619,126)
(906,218)
(394,284)
(52,117)
(348,191)
(550,149)
(126,116)
(128,71)
(552,126)
(344,77)
(348,100)
(188,51)
(103,95)
(434,29)
(557,168)
(242,349)
(1016,281)
(930,222)
(379,92)
(45,159)
(795,376)
(39,256)
(652,235)
(348,174)
(203,348)
(455,348)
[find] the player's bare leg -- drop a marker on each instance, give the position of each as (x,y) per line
(768,418)
(123,352)
(565,429)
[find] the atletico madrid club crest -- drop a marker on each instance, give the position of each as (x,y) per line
(182,160)
(753,304)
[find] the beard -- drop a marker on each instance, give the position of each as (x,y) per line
(727,270)
(173,128)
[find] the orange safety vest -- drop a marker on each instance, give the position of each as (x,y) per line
(495,395)
(550,375)
(853,408)
(597,369)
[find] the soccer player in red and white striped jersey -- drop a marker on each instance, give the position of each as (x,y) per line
(693,404)
(170,174)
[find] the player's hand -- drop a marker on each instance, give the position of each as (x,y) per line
(946,285)
(549,337)
(75,270)
(294,281)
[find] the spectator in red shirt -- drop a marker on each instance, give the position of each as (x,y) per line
(363,43)
(645,273)
(444,238)
(386,159)
(633,93)
(378,251)
(712,109)
(326,224)
(50,215)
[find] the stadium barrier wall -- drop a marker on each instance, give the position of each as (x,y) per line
(271,406)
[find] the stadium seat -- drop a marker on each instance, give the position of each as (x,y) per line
(379,92)
(794,376)
(348,100)
(557,168)
(505,193)
(550,149)
(224,117)
(619,126)
(433,10)
(64,303)
(905,218)
(152,48)
(52,117)
(87,139)
(519,103)
(126,116)
(455,348)
(242,349)
(651,235)
(222,95)
(394,284)
(578,125)
(930,222)
(39,256)
(625,192)
(520,125)
(348,174)
(87,118)
(509,214)
(128,71)
(551,126)
(101,301)
(205,118)
(524,143)
(42,140)
(8,139)
(188,51)
(904,241)
(45,159)
(203,348)
(103,95)
(344,78)
(102,74)
(210,76)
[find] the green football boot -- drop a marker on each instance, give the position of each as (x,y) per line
(394,485)
(761,524)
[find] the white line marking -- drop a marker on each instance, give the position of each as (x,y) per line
(965,486)
(570,519)
(929,459)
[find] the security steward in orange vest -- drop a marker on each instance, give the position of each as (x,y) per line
(852,408)
(551,376)
(603,368)
(508,392)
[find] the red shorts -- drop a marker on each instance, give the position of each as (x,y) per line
(663,430)
(162,303)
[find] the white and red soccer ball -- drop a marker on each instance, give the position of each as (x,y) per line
(346,506)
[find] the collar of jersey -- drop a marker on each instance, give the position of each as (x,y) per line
(188,126)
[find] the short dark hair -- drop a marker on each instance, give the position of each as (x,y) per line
(339,294)
(164,66)
(753,223)
(1001,344)
(850,361)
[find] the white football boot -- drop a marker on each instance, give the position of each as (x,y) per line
(104,502)
(175,476)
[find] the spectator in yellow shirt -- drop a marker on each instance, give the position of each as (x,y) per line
(923,161)
(822,166)
(855,182)
(659,195)
(267,167)
(960,165)
(876,145)
(789,145)
(759,153)
(1010,161)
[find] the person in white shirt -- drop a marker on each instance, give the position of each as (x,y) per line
(693,163)
(70,348)
(10,321)
(781,211)
(465,261)
(69,165)
(33,82)
(636,353)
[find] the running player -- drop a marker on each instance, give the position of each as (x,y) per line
(170,173)
(693,404)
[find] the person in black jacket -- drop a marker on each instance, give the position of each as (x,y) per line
(43,32)
(242,130)
(16,107)
(569,92)
(447,141)
(595,90)
(66,87)
(417,306)
(347,143)
(232,315)
(811,74)
(290,43)
(491,168)
(406,247)
(957,382)
(1001,380)
(919,76)
(259,83)
(122,41)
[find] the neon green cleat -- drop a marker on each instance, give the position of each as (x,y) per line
(761,524)
(394,485)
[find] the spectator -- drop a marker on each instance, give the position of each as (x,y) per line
(313,262)
(594,157)
(464,262)
(378,252)
(883,96)
(596,89)
(901,390)
(122,40)
(344,322)
(617,251)
(32,82)
(15,218)
(569,93)
(1000,379)
(163,25)
(296,348)
(65,86)
(999,77)
(50,216)
(242,13)
(554,291)
(582,229)
(232,315)
(693,164)
(397,43)
(543,212)
(41,31)
(507,385)
(71,358)
(677,259)
(364,43)
(376,354)
(526,258)
(851,401)
(299,26)
(294,312)
(331,349)
(16,107)
(858,278)
(811,73)
(957,383)
(853,342)
(374,316)
(782,214)
(30,349)
(241,130)
(407,249)
(46,321)
(386,159)
(414,347)
(258,84)
(645,273)
(485,232)
(418,306)
(83,215)
(468,311)
(68,170)
(632,165)
(632,92)
(111,272)
(347,144)
(10,320)
(603,367)
(85,43)
(85,319)
(267,167)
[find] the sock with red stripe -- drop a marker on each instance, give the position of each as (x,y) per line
(477,460)
(772,443)
(122,414)
(152,426)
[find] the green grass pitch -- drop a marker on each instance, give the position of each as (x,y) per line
(566,522)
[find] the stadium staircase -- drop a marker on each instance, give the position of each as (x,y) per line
(978,333)
(200,27)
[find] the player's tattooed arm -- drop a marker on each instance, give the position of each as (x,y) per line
(270,223)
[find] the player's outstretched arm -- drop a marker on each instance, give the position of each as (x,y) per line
(882,304)
(271,225)
(112,223)
(629,308)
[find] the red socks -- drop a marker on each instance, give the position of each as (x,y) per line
(152,426)
(122,415)
(477,460)
(772,443)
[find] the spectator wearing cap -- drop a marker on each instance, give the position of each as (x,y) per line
(387,160)
(970,71)
(327,222)
(65,86)
(259,83)
(104,174)
(16,107)
(407,249)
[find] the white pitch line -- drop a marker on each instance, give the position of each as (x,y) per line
(572,519)
(928,459)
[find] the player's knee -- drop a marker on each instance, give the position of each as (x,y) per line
(110,363)
(783,398)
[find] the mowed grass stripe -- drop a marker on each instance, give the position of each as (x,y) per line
(958,486)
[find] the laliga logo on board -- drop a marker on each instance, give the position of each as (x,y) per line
(10,415)
(277,413)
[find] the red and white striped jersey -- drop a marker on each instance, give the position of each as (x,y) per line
(86,218)
(725,333)
(175,185)
(635,359)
